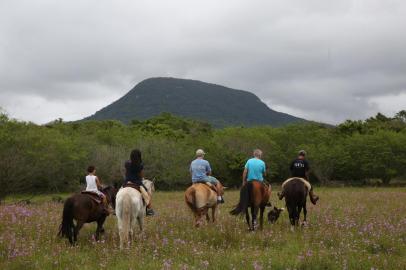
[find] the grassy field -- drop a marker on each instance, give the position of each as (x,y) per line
(351,228)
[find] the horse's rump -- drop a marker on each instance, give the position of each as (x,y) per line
(200,195)
(304,181)
(253,193)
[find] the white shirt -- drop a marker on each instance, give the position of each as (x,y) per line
(91,184)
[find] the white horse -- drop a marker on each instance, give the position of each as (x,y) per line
(130,209)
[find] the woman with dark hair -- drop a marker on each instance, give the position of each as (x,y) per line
(134,173)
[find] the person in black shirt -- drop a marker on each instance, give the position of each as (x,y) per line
(300,168)
(134,173)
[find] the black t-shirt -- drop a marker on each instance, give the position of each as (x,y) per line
(299,167)
(133,172)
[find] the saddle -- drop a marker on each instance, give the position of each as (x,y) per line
(94,196)
(132,185)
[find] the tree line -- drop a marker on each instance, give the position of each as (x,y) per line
(53,157)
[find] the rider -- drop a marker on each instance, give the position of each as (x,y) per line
(93,185)
(254,169)
(134,173)
(300,168)
(201,173)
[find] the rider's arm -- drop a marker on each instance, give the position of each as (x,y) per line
(99,186)
(208,169)
(307,169)
(244,176)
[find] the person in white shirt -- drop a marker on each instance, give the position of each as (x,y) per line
(93,185)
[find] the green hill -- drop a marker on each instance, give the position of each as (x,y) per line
(221,106)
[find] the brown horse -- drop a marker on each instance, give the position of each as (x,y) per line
(84,209)
(255,195)
(295,191)
(200,198)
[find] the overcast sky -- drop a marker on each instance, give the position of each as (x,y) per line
(320,60)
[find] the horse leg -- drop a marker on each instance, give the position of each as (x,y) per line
(99,228)
(213,213)
(247,217)
(304,214)
(254,213)
(261,217)
(291,211)
(141,223)
(76,230)
(299,210)
(207,216)
(198,217)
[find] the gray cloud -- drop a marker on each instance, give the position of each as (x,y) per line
(321,60)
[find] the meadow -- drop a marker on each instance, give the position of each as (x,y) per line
(351,228)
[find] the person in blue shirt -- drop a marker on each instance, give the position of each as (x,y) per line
(254,169)
(200,171)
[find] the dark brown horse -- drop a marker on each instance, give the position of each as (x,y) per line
(295,192)
(84,209)
(254,195)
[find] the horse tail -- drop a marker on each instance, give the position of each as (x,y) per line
(190,199)
(125,219)
(245,198)
(66,228)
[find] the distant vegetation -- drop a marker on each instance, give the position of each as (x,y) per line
(53,157)
(220,106)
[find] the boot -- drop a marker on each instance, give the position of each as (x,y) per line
(280,195)
(150,211)
(219,197)
(313,198)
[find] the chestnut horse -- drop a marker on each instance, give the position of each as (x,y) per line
(84,209)
(256,195)
(200,198)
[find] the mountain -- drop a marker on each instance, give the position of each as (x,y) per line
(221,106)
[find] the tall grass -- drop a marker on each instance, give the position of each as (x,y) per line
(351,228)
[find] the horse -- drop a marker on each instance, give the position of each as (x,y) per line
(84,209)
(254,195)
(130,209)
(200,197)
(295,192)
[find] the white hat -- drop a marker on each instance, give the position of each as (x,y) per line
(200,152)
(302,153)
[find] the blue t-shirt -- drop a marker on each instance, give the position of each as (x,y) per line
(256,169)
(199,169)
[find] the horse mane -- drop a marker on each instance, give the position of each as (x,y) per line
(149,185)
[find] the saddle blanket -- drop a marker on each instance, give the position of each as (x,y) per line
(307,184)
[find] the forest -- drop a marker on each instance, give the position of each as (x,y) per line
(53,157)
